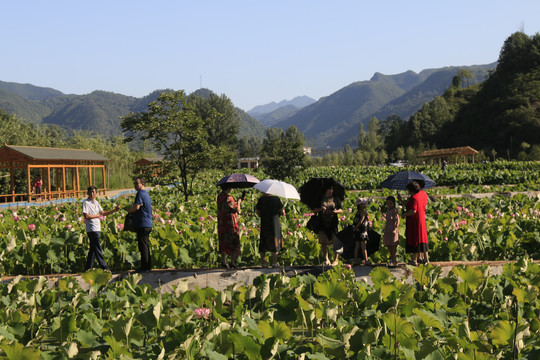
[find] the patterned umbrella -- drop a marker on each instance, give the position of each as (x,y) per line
(238,181)
(400,180)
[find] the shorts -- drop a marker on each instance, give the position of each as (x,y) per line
(324,240)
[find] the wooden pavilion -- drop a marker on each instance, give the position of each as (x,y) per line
(448,153)
(152,163)
(64,172)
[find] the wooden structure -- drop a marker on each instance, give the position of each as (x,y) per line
(153,163)
(249,163)
(60,171)
(448,153)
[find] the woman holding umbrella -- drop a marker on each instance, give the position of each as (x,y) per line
(416,229)
(270,208)
(330,207)
(228,229)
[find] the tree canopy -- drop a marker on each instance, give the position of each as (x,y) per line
(192,133)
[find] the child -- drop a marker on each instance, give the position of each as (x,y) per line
(391,234)
(360,231)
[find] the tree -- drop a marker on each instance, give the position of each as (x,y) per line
(282,152)
(371,141)
(179,130)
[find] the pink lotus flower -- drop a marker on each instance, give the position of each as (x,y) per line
(155,216)
(349,210)
(1,216)
(63,218)
(459,208)
(342,218)
(202,313)
(439,231)
(489,216)
(161,220)
(16,218)
(179,232)
(437,213)
(120,226)
(211,217)
(68,226)
(289,233)
(470,214)
(298,225)
(201,218)
(168,213)
(348,267)
(31,227)
(169,222)
(445,238)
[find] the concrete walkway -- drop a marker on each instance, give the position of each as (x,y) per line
(167,280)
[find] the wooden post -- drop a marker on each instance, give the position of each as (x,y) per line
(104,182)
(64,181)
(12,180)
(78,183)
(29,183)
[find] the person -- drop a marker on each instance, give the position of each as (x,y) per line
(228,229)
(92,213)
(270,208)
(360,231)
(444,165)
(391,230)
(330,207)
(416,229)
(142,218)
(37,185)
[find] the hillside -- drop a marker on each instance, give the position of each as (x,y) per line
(98,111)
(335,120)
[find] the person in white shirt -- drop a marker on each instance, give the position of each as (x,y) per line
(92,212)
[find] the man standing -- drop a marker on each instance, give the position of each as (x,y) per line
(92,212)
(142,218)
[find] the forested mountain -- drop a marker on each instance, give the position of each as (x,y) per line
(335,120)
(500,115)
(99,111)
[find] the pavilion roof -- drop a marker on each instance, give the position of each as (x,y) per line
(458,151)
(44,153)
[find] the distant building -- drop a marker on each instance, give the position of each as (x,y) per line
(154,163)
(249,163)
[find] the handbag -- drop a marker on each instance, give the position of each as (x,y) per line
(313,224)
(129,222)
(374,241)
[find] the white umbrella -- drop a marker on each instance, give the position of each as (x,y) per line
(279,188)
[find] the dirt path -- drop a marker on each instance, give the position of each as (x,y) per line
(167,280)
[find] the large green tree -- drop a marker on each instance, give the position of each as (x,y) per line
(283,152)
(183,130)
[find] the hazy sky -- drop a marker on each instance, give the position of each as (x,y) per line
(252,51)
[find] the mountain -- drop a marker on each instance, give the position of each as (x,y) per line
(298,102)
(276,116)
(335,120)
(98,111)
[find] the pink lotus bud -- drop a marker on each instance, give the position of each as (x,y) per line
(68,226)
(348,267)
(437,212)
(31,227)
(201,218)
(120,226)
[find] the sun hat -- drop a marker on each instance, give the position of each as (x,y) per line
(361,201)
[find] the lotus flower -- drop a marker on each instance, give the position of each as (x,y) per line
(31,227)
(202,313)
(120,226)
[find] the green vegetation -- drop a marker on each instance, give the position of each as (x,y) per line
(470,312)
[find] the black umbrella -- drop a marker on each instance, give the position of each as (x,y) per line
(346,237)
(238,181)
(311,193)
(400,180)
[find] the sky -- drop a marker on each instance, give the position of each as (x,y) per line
(254,52)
